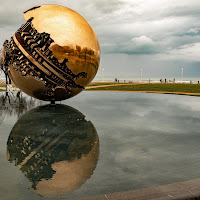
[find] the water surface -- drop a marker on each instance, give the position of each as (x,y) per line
(97,143)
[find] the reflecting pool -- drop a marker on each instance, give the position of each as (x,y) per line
(96,143)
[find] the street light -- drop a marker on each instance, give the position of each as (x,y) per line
(181,75)
(141,75)
(103,75)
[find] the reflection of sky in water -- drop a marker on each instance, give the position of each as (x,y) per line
(145,140)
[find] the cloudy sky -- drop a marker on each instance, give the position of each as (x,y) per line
(158,36)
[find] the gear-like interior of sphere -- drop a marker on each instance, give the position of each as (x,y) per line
(29,54)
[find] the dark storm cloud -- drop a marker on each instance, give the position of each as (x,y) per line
(169,25)
(124,26)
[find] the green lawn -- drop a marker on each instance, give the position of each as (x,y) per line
(188,88)
(185,88)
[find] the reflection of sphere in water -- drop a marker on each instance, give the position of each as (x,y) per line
(54,55)
(55,147)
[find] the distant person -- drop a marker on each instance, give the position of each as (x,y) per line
(198,82)
(174,80)
(165,80)
(161,80)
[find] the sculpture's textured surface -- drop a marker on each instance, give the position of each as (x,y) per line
(53,55)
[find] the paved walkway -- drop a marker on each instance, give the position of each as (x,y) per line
(187,190)
(100,86)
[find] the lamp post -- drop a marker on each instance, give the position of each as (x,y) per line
(181,75)
(141,75)
(103,76)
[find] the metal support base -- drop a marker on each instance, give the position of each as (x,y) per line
(53,102)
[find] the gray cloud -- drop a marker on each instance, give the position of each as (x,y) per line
(166,30)
(117,22)
(106,7)
(142,135)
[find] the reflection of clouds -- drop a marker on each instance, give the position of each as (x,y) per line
(188,103)
(146,139)
(154,112)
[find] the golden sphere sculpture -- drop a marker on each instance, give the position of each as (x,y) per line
(54,55)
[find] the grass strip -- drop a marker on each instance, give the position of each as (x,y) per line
(185,88)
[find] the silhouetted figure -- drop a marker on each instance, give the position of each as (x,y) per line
(165,80)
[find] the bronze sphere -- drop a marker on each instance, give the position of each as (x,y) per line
(54,55)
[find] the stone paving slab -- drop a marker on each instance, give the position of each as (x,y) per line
(187,190)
